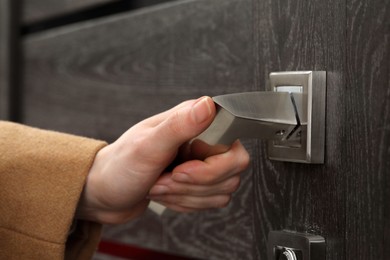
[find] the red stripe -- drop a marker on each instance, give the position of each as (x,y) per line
(136,253)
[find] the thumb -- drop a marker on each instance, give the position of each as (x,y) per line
(185,123)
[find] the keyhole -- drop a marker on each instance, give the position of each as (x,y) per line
(287,254)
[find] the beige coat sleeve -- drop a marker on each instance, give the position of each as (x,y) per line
(42,174)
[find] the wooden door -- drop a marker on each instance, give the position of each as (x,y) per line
(98,77)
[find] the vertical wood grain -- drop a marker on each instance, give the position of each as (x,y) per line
(217,234)
(5,27)
(146,231)
(9,60)
(302,35)
(367,138)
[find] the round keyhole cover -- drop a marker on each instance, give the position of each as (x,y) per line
(287,254)
(292,245)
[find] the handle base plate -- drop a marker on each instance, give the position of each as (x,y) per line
(311,143)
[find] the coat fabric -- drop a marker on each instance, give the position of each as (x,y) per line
(42,174)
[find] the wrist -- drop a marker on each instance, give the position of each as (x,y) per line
(88,207)
(98,201)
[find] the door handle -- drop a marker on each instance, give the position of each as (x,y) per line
(262,115)
(290,115)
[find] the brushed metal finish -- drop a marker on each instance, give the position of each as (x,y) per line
(264,115)
(311,148)
(291,115)
(306,246)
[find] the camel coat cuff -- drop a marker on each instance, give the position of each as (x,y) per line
(42,174)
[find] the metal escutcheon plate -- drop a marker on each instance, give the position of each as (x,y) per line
(310,146)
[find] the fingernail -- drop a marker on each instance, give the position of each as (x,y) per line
(201,110)
(181,177)
(159,190)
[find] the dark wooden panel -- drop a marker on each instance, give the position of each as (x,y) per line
(100,77)
(9,60)
(146,231)
(303,35)
(217,234)
(367,135)
(5,27)
(227,233)
(37,10)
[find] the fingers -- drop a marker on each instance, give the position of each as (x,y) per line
(188,197)
(158,118)
(155,142)
(193,202)
(213,169)
(183,124)
(200,150)
(167,186)
(196,185)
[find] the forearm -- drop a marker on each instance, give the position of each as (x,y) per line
(42,174)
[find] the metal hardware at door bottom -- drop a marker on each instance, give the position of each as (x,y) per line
(293,245)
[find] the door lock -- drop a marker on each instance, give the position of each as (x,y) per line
(287,254)
(291,115)
(289,245)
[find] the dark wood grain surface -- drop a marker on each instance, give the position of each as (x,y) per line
(103,76)
(9,60)
(302,35)
(367,135)
(147,231)
(217,234)
(38,10)
(5,28)
(100,77)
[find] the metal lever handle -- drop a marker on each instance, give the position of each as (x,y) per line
(293,122)
(261,115)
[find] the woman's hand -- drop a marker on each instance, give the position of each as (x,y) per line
(133,170)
